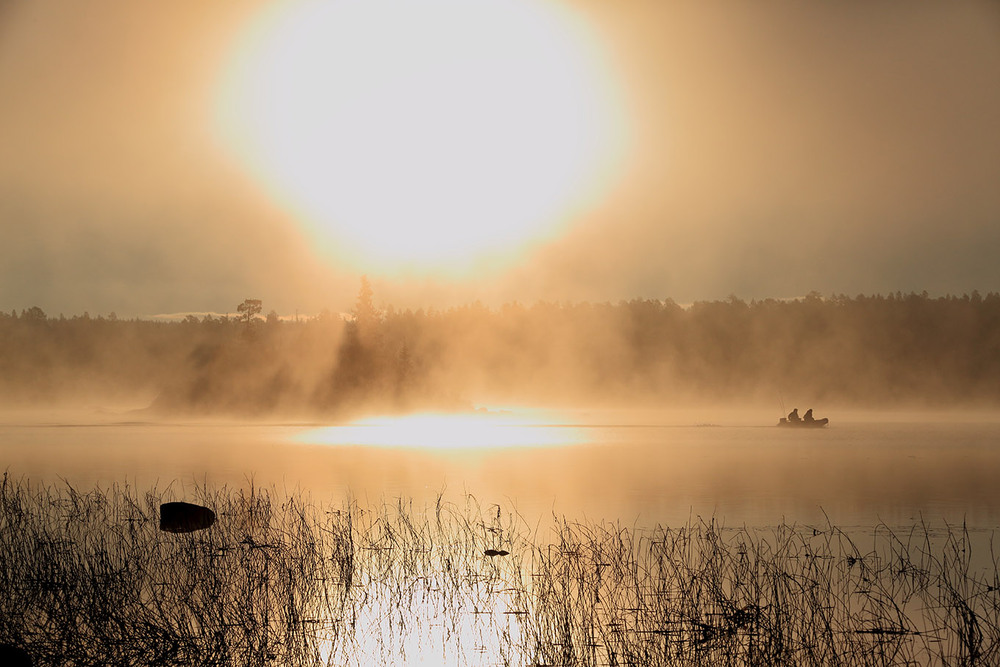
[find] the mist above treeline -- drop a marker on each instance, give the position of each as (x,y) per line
(863,351)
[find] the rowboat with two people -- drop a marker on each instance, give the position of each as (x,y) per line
(806,421)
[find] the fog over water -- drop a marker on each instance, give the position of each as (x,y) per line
(899,350)
(640,410)
(635,466)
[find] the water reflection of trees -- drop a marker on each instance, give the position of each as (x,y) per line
(89,579)
(849,350)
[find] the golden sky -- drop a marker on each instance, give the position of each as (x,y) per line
(580,150)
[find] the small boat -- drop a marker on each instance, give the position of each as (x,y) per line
(804,423)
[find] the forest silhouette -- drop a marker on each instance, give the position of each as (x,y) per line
(892,350)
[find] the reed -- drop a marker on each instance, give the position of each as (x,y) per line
(88,578)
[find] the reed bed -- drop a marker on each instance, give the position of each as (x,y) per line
(89,579)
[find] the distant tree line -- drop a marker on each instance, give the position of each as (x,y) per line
(896,349)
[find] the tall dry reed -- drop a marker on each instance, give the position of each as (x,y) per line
(88,578)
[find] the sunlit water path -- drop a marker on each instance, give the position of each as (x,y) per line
(637,467)
(775,534)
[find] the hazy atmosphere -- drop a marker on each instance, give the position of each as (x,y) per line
(499,332)
(739,148)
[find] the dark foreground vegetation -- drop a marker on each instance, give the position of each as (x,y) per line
(878,350)
(89,579)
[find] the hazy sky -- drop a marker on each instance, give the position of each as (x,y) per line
(767,149)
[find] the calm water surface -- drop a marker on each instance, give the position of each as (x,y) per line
(636,467)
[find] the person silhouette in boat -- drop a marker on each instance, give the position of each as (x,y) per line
(793,416)
(808,417)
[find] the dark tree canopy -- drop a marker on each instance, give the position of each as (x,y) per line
(877,350)
(249,309)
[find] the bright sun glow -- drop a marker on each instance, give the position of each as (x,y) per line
(442,431)
(425,135)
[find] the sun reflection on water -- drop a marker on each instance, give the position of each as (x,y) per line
(444,431)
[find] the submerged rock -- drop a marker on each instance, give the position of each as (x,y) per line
(13,656)
(179,517)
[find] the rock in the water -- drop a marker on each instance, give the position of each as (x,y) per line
(13,656)
(181,517)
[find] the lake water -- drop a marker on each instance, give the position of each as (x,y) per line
(632,466)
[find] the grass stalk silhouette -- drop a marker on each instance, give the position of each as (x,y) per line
(278,579)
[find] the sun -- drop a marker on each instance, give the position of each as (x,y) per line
(439,135)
